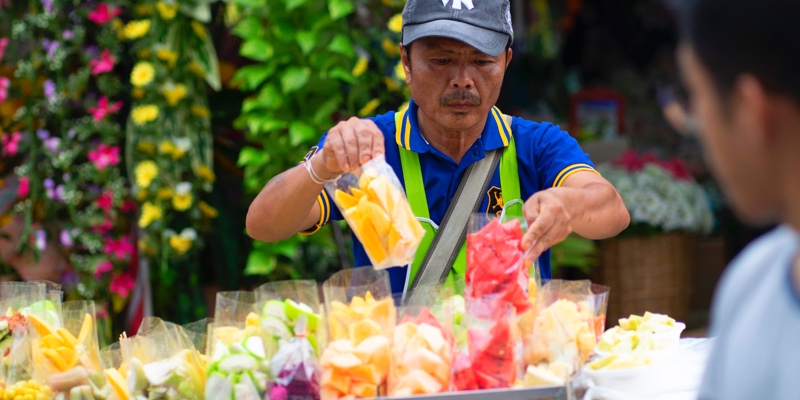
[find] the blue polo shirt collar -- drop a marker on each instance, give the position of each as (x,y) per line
(496,133)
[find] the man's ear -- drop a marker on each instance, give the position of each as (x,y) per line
(404,58)
(509,53)
(752,106)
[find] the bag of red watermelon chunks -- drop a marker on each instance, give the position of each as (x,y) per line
(563,333)
(292,322)
(361,316)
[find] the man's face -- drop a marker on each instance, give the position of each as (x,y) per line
(454,84)
(733,141)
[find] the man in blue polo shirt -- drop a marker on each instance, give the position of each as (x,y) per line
(455,54)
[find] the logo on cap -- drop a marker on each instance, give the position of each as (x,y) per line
(457,4)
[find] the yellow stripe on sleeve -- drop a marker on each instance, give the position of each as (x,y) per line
(408,132)
(569,171)
(398,124)
(324,214)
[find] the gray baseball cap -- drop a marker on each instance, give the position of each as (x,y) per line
(482,24)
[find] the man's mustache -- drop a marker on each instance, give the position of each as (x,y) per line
(460,95)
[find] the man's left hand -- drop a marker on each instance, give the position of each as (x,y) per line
(549,222)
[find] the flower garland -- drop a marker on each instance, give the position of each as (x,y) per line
(169,141)
(58,126)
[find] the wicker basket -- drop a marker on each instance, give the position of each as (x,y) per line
(650,273)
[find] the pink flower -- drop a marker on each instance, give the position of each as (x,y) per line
(3,45)
(104,156)
(128,205)
(104,64)
(103,13)
(4,84)
(10,143)
(24,187)
(102,268)
(122,284)
(104,227)
(121,248)
(630,161)
(104,109)
(105,201)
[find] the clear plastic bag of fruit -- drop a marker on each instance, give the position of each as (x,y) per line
(361,318)
(375,207)
(197,332)
(422,352)
(294,369)
(111,359)
(162,362)
(238,365)
(486,355)
(50,308)
(16,299)
(496,264)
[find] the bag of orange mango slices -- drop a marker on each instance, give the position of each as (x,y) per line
(565,332)
(361,318)
(68,358)
(237,359)
(161,362)
(375,207)
(111,359)
(421,352)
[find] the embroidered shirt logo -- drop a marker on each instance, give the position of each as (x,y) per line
(457,4)
(495,203)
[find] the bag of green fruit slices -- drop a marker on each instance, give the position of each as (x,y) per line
(17,300)
(292,321)
(237,360)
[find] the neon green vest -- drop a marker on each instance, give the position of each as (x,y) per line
(415,191)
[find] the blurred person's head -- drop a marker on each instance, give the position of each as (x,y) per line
(741,64)
(454,55)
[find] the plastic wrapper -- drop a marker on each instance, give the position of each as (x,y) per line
(238,365)
(495,261)
(112,361)
(375,206)
(50,308)
(421,353)
(486,357)
(361,318)
(197,332)
(291,318)
(16,299)
(565,330)
(162,363)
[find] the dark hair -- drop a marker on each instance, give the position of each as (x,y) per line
(735,37)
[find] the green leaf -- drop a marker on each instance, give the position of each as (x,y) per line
(251,76)
(257,49)
(249,27)
(247,3)
(294,78)
(342,74)
(300,132)
(200,11)
(343,45)
(306,40)
(260,263)
(270,97)
(285,248)
(251,155)
(339,8)
(324,111)
(207,57)
(292,4)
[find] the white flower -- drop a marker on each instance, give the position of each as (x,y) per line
(183,188)
(189,234)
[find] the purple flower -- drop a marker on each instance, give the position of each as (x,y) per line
(69,279)
(42,134)
(68,35)
(60,193)
(92,52)
(51,46)
(49,88)
(52,144)
(41,240)
(49,183)
(66,239)
(67,177)
(71,133)
(48,5)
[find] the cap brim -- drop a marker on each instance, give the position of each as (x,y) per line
(486,41)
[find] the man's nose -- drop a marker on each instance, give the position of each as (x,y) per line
(461,78)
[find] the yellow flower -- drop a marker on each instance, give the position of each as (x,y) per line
(361,66)
(137,29)
(146,147)
(396,23)
(183,242)
(143,9)
(166,147)
(144,53)
(145,172)
(390,48)
(196,68)
(141,195)
(399,71)
(150,213)
(144,114)
(200,111)
(164,193)
(174,93)
(143,246)
(142,74)
(369,108)
(182,145)
(167,11)
(205,173)
(391,84)
(164,54)
(182,199)
(207,210)
(199,30)
(137,93)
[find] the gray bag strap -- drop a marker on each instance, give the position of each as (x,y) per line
(453,231)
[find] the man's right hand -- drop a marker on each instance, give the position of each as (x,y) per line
(349,145)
